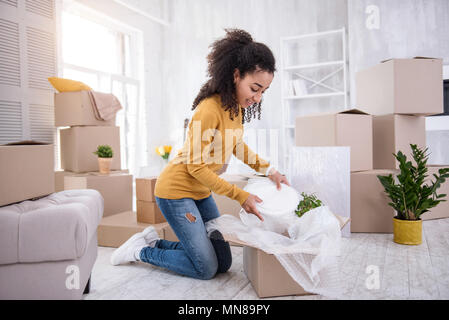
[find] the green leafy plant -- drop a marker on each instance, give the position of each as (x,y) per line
(308,203)
(410,197)
(104,151)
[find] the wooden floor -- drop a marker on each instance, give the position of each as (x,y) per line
(417,272)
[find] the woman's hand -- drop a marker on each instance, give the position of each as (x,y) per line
(250,205)
(277,178)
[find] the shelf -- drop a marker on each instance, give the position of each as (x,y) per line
(318,95)
(314,65)
(315,73)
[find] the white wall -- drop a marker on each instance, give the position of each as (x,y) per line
(407,28)
(195,24)
(175,55)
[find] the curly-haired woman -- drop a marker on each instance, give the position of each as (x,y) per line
(240,72)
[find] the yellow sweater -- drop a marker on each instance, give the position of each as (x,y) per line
(193,173)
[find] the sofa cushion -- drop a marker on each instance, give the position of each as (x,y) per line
(56,227)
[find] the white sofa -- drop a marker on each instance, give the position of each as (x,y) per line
(48,246)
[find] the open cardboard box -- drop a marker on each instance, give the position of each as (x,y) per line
(75,109)
(266,274)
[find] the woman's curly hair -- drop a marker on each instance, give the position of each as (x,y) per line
(236,50)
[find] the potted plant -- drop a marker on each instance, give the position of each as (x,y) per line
(105,154)
(410,196)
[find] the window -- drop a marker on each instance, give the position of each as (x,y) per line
(104,54)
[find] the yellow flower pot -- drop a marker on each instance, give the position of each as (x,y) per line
(104,164)
(407,231)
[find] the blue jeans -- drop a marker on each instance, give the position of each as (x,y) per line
(195,255)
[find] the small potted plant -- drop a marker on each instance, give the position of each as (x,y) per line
(307,203)
(105,154)
(410,196)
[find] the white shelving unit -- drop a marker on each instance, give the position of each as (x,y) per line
(296,86)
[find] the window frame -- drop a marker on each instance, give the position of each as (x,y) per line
(135,77)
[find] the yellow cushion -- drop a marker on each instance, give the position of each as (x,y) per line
(67,85)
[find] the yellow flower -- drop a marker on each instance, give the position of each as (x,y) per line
(160,151)
(164,151)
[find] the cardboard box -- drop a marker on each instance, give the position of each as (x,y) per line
(114,230)
(266,274)
(351,128)
(79,143)
(227,205)
(26,171)
(169,234)
(59,179)
(145,188)
(60,174)
(402,86)
(149,212)
(75,109)
(393,132)
(370,211)
(442,209)
(116,189)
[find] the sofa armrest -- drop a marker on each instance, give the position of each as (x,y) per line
(57,227)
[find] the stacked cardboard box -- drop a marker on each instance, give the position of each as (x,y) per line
(147,208)
(116,189)
(399,93)
(78,161)
(26,171)
(84,133)
(114,230)
(351,128)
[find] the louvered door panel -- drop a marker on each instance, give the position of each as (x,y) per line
(10,2)
(9,53)
(42,123)
(27,59)
(41,7)
(41,58)
(10,121)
